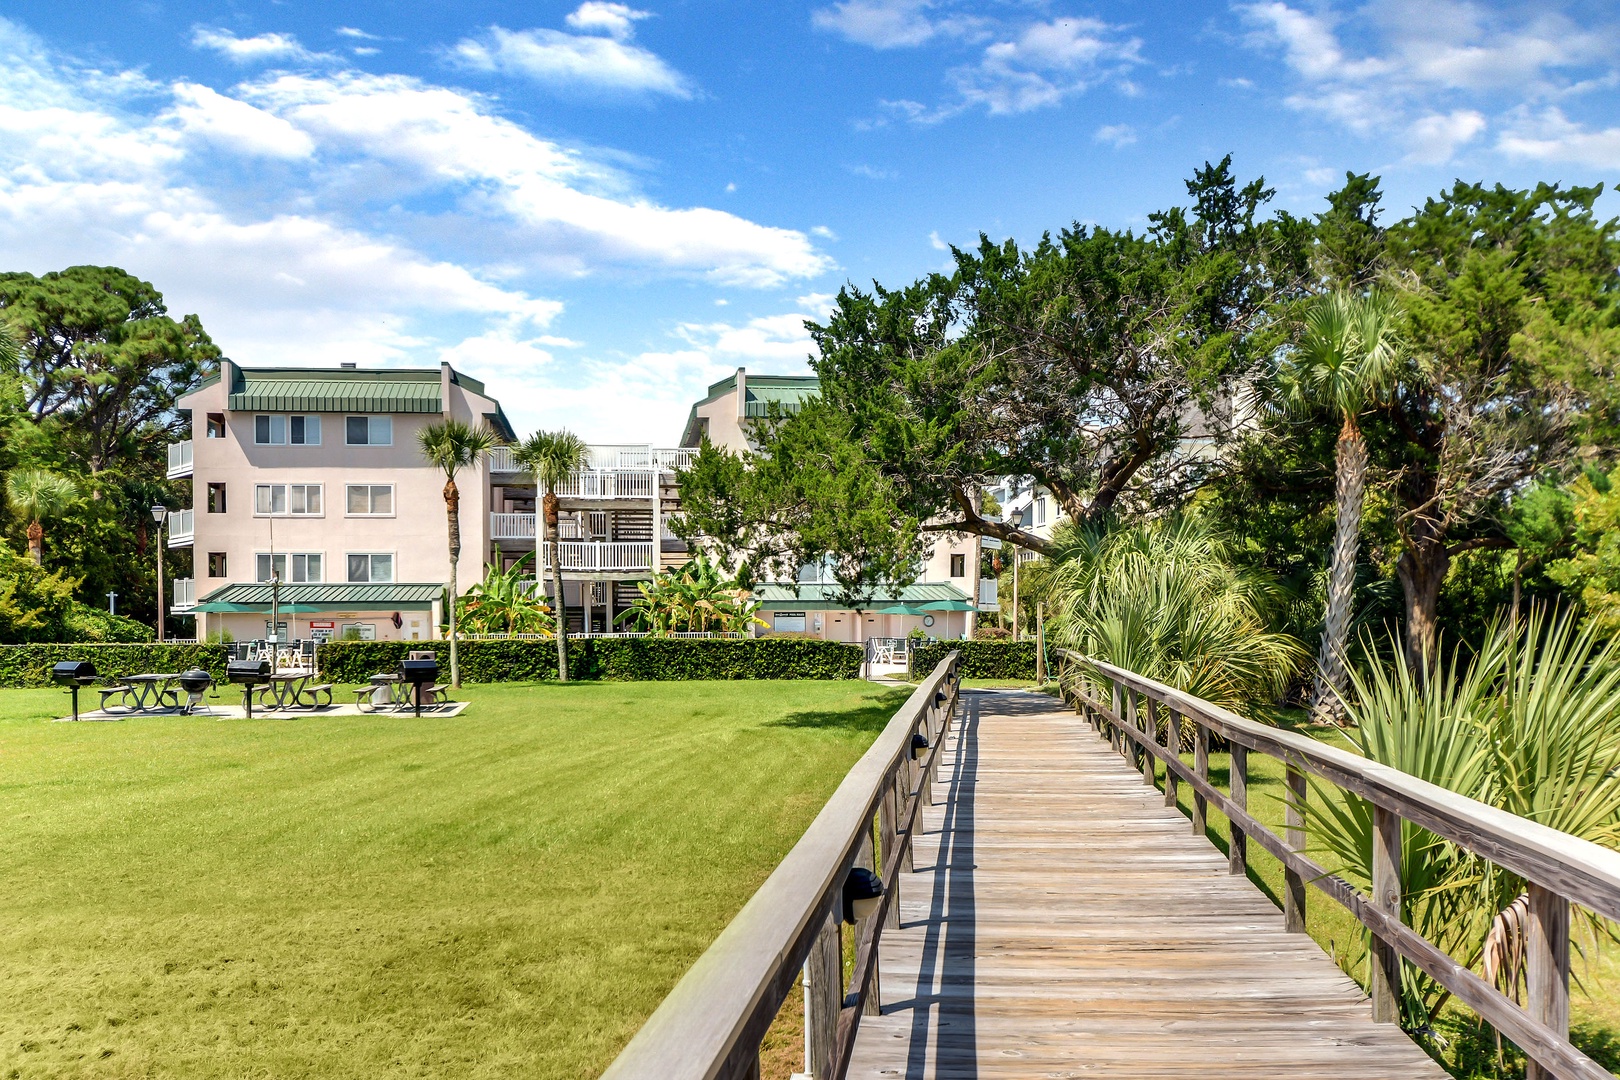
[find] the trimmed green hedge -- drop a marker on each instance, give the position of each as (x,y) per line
(618,659)
(30,665)
(980,659)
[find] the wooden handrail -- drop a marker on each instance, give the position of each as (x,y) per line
(1560,868)
(711,1024)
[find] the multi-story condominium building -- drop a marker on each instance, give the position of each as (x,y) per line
(311,496)
(313,477)
(940,602)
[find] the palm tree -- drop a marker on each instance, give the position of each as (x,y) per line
(1347,362)
(36,495)
(453,445)
(554,456)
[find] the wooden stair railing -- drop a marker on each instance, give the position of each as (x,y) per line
(711,1024)
(1128,709)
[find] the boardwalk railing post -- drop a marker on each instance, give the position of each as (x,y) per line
(1293,883)
(1386,896)
(866,857)
(888,834)
(1172,743)
(1142,720)
(1547,967)
(823,997)
(1238,854)
(1200,814)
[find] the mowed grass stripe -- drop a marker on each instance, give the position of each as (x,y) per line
(505,893)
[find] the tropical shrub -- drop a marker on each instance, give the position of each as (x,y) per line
(994,659)
(505,602)
(1529,724)
(1593,570)
(1169,601)
(697,597)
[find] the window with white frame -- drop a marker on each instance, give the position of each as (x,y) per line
(295,430)
(369,500)
(368,430)
(287,500)
(295,566)
(370,567)
(1040,510)
(788,622)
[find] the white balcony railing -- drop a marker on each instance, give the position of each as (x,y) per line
(182,527)
(608,484)
(179,460)
(600,556)
(512,527)
(611,458)
(182,594)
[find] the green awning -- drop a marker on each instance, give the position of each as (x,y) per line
(318,598)
(885,600)
(348,391)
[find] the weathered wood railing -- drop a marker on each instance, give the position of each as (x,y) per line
(1561,869)
(711,1024)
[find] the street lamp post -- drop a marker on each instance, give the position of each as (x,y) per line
(159,512)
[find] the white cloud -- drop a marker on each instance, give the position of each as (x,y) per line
(872,173)
(615,20)
(204,113)
(253,50)
(935,242)
(355,32)
(823,232)
(1426,75)
(1549,135)
(451,139)
(583,61)
(1115,135)
(882,24)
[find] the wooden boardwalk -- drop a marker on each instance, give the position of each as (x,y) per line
(1062,922)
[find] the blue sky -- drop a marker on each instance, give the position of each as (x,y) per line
(601,207)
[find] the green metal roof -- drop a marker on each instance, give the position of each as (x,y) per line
(784,597)
(333,596)
(788,391)
(342,390)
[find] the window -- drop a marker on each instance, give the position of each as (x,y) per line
(287,500)
(294,566)
(788,622)
(358,631)
(371,568)
(369,430)
(1040,510)
(281,430)
(277,632)
(216,425)
(216,564)
(370,500)
(958,566)
(216,498)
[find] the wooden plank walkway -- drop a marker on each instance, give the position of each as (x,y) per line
(1062,922)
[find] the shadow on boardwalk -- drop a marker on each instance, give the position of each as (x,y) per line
(1060,921)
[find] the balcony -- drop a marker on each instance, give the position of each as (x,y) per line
(609,484)
(179,460)
(512,527)
(182,595)
(610,459)
(601,556)
(182,527)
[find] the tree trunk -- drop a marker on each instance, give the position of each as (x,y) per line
(36,542)
(452,506)
(560,611)
(1331,681)
(1422,570)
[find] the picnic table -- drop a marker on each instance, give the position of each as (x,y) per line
(292,690)
(140,693)
(386,691)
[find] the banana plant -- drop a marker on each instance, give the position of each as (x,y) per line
(506,602)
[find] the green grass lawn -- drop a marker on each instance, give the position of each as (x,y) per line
(506,893)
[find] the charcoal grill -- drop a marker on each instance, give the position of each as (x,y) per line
(420,674)
(195,682)
(247,674)
(74,674)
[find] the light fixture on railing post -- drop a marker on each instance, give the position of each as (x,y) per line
(1017,520)
(159,512)
(863,891)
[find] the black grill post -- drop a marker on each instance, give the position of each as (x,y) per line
(247,674)
(74,674)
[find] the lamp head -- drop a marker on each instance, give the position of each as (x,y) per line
(159,512)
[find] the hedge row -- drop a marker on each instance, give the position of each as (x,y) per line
(980,659)
(618,659)
(30,665)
